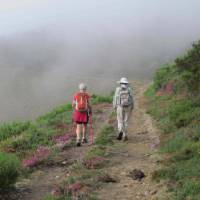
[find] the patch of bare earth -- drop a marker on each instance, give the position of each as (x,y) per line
(139,153)
(52,173)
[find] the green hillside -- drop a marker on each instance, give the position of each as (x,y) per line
(174,102)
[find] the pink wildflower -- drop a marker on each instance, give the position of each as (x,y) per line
(40,154)
(62,138)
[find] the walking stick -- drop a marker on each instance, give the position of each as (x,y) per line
(91,131)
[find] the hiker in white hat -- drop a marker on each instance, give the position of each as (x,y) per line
(123,103)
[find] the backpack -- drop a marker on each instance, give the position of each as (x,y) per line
(81,102)
(125,98)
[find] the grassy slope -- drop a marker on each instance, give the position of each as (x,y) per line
(20,139)
(178,116)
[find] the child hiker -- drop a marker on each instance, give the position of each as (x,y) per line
(82,109)
(123,103)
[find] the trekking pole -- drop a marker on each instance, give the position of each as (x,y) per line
(91,131)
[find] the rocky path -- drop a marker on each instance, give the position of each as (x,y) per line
(140,153)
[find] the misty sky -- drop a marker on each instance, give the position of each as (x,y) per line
(97,32)
(91,16)
(48,46)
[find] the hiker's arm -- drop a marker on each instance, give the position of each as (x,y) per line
(73,103)
(115,98)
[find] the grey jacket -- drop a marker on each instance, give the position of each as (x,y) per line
(116,100)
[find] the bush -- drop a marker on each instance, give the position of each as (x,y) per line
(9,168)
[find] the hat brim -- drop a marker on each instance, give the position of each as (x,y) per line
(122,82)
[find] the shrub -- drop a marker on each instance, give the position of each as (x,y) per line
(9,168)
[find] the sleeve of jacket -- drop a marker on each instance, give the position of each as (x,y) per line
(115,98)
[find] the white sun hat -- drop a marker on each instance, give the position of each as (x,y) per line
(82,86)
(123,80)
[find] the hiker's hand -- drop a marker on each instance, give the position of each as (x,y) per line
(90,110)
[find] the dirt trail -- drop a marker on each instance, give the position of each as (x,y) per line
(138,153)
(52,173)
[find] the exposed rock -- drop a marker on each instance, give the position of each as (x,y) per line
(136,174)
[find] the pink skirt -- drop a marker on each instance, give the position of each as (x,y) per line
(80,117)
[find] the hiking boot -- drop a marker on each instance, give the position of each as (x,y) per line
(125,138)
(84,140)
(78,143)
(120,136)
